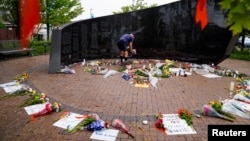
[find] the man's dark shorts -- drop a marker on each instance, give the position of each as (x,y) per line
(122,46)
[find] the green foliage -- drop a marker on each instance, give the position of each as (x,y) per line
(40,47)
(56,12)
(139,4)
(238,14)
(10,11)
(53,12)
(2,26)
(82,124)
(241,55)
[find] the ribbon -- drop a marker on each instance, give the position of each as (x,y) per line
(201,13)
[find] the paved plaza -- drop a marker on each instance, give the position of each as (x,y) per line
(110,98)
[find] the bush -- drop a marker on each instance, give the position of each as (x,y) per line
(240,55)
(40,47)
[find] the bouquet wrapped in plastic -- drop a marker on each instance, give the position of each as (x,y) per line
(240,96)
(96,125)
(237,107)
(208,110)
(47,109)
(217,105)
(118,124)
(91,122)
(35,98)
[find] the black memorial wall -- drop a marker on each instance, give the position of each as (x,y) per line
(163,32)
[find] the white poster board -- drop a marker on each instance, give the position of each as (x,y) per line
(69,120)
(210,75)
(105,135)
(174,125)
(11,87)
(32,109)
(8,84)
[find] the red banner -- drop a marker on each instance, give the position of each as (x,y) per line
(201,13)
(29,17)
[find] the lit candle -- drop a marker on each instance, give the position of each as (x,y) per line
(149,66)
(231,87)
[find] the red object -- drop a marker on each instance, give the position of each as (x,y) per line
(201,13)
(29,17)
(46,110)
(159,123)
(118,124)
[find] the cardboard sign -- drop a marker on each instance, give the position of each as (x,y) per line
(174,125)
(105,135)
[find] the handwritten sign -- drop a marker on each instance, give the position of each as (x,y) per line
(69,120)
(11,87)
(32,109)
(105,135)
(174,125)
(8,84)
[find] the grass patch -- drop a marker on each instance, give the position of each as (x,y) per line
(240,55)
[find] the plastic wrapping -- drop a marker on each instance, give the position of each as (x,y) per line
(235,107)
(110,73)
(96,126)
(118,124)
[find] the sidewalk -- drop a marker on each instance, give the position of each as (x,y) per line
(111,97)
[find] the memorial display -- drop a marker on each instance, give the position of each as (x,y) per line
(164,32)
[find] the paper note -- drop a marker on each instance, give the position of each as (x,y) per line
(69,120)
(105,135)
(174,125)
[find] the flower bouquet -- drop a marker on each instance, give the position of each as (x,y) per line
(159,121)
(35,98)
(91,122)
(246,93)
(186,115)
(47,109)
(21,78)
(56,106)
(119,124)
(242,96)
(23,91)
(218,107)
(208,110)
(166,73)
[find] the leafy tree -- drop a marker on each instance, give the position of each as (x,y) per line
(53,12)
(56,12)
(2,26)
(238,17)
(139,4)
(238,14)
(10,12)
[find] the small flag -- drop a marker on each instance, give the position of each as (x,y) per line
(201,13)
(29,17)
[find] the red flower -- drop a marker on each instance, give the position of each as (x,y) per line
(159,123)
(186,115)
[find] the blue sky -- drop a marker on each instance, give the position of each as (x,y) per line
(105,7)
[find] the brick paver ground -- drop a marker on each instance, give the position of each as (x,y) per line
(110,98)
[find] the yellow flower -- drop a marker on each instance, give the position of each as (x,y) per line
(33,92)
